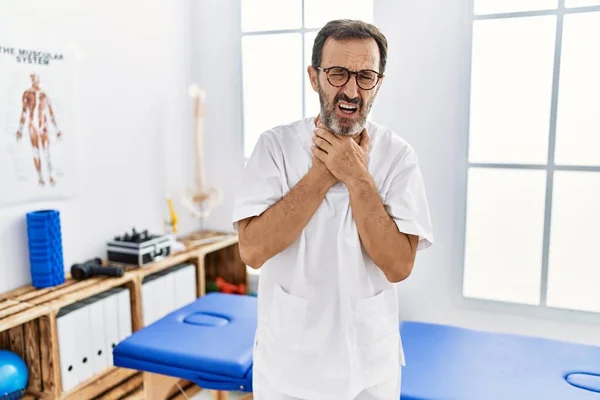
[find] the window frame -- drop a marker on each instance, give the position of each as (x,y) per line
(303,30)
(541,310)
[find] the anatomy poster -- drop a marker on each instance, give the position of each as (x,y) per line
(37,124)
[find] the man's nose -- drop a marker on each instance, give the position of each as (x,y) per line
(350,89)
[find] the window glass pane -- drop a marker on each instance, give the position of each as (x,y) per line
(504,234)
(272,76)
(578,119)
(511,87)
(574,260)
(312,104)
(318,12)
(581,3)
(508,6)
(263,15)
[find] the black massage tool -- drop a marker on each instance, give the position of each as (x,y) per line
(94,267)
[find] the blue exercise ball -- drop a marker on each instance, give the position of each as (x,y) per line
(13,374)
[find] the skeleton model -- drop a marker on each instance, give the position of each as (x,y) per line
(202,199)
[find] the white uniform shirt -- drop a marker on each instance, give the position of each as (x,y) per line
(328,323)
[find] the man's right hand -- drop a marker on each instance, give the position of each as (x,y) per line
(19,135)
(322,172)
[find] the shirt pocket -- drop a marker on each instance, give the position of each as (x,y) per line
(375,318)
(288,316)
(378,352)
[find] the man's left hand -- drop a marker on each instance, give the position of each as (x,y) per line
(345,158)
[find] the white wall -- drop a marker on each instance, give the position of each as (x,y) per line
(216,63)
(425,99)
(134,115)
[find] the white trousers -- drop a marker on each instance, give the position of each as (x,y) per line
(388,390)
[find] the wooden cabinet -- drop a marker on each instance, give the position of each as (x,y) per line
(28,321)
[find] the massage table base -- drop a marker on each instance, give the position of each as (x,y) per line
(157,386)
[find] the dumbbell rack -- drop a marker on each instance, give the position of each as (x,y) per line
(28,321)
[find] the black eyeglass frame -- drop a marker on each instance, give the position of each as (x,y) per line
(350,73)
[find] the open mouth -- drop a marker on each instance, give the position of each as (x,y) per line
(348,109)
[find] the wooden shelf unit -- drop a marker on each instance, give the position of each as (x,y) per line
(28,321)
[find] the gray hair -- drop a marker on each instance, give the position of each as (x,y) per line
(345,29)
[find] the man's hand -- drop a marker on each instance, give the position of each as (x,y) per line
(322,171)
(345,158)
(19,135)
(59,135)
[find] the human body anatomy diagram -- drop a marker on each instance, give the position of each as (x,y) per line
(36,115)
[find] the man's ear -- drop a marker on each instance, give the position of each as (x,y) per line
(313,76)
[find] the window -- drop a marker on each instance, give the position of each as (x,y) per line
(277,40)
(533,175)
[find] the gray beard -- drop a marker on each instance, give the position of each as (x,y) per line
(332,122)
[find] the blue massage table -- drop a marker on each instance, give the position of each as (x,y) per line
(449,363)
(209,342)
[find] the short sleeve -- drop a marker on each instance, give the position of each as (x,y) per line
(406,200)
(260,186)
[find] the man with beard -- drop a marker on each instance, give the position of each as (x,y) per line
(332,209)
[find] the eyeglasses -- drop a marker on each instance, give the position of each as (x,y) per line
(366,79)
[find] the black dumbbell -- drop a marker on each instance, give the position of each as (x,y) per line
(94,267)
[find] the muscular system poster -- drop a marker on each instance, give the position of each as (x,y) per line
(37,130)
